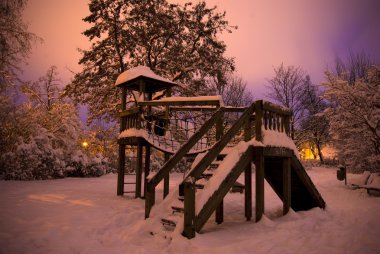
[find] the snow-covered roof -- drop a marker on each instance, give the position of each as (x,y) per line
(139,71)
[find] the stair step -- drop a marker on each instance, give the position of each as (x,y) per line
(169,225)
(178,209)
(199,186)
(221,156)
(237,187)
(205,176)
(181,198)
(129,192)
(129,183)
(213,166)
(129,174)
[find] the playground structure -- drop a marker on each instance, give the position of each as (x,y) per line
(222,141)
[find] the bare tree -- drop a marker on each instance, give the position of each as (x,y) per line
(314,124)
(232,88)
(45,92)
(287,88)
(354,68)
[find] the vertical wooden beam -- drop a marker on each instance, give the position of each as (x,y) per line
(120,172)
(123,122)
(248,176)
(167,156)
(259,165)
(287,189)
(150,199)
(189,207)
(258,120)
(146,166)
(219,211)
(121,162)
(248,191)
(139,170)
(166,178)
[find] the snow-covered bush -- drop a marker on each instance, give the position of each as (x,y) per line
(40,158)
(354,117)
(41,137)
(34,159)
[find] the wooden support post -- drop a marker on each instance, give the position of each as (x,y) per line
(123,122)
(121,166)
(248,176)
(258,120)
(166,178)
(139,170)
(189,207)
(219,214)
(167,156)
(121,171)
(248,191)
(146,166)
(259,164)
(287,188)
(150,198)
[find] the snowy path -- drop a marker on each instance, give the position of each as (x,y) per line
(85,216)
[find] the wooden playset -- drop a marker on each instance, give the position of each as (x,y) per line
(207,132)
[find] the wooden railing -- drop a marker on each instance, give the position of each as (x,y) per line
(169,165)
(276,118)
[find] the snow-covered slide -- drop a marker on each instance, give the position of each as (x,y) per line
(304,194)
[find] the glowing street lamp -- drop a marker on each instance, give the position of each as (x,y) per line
(85,144)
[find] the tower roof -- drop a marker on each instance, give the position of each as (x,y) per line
(153,82)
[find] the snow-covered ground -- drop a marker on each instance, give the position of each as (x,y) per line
(85,216)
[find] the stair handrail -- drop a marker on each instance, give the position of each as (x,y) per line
(155,179)
(215,199)
(211,155)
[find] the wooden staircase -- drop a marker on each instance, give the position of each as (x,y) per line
(198,198)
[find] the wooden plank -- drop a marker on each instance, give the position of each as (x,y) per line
(129,112)
(219,210)
(189,207)
(258,120)
(150,198)
(132,141)
(277,152)
(286,185)
(139,170)
(180,103)
(248,176)
(259,170)
(219,218)
(166,178)
(147,167)
(276,108)
(223,189)
(248,191)
(121,170)
(208,109)
(235,109)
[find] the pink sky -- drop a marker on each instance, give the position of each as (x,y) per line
(297,32)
